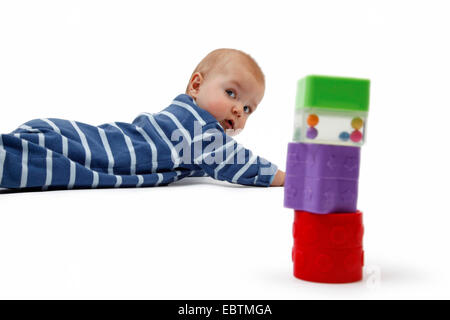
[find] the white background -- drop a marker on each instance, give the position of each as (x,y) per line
(103,61)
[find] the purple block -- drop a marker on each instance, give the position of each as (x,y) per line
(321,178)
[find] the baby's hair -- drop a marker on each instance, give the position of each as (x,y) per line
(218,58)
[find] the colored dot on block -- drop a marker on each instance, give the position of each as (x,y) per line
(312,133)
(312,120)
(356,136)
(357,123)
(344,136)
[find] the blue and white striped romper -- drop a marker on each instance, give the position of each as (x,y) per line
(156,149)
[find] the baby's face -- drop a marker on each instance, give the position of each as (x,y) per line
(231,95)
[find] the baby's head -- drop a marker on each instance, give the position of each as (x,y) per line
(228,84)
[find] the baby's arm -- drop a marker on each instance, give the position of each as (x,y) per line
(223,158)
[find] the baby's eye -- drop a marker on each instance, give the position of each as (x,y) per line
(247,109)
(231,93)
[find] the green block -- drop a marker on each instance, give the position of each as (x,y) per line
(333,93)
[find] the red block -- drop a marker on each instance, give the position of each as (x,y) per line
(328,247)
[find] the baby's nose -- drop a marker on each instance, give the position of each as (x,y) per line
(237,111)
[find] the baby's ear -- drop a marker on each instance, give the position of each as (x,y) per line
(195,83)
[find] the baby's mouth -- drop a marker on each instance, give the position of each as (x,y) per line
(229,124)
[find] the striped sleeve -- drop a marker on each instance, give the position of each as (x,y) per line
(222,158)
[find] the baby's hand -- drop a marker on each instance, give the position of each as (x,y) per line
(278,181)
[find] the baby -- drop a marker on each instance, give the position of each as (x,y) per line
(191,137)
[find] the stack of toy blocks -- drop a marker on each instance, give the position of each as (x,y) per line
(322,174)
